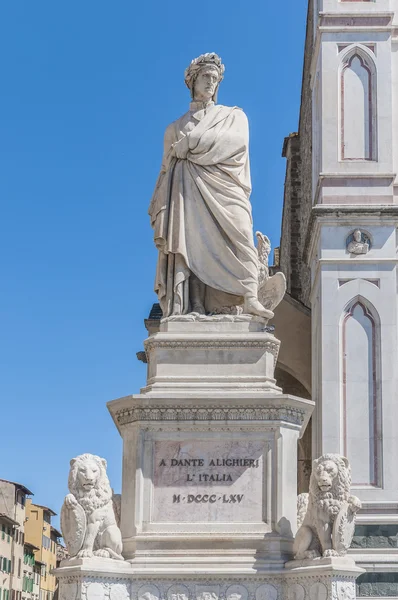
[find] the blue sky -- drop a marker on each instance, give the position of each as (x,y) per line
(87,91)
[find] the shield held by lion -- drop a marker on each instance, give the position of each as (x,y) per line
(88,520)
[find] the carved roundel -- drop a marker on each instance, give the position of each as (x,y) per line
(358,242)
(318,591)
(178,592)
(148,592)
(296,592)
(95,591)
(236,592)
(266,592)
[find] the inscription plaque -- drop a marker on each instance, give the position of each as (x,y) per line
(201,481)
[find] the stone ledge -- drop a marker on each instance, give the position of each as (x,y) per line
(342,565)
(255,407)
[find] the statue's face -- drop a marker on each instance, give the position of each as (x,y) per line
(88,474)
(325,473)
(205,84)
(357,235)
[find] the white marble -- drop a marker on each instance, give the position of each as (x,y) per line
(356,350)
(358,242)
(208,481)
(201,199)
(326,579)
(328,526)
(211,355)
(233,511)
(88,518)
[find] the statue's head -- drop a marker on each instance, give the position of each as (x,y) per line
(203,76)
(357,235)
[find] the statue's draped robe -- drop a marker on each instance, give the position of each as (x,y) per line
(200,210)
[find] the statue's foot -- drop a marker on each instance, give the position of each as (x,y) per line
(330,552)
(197,307)
(253,307)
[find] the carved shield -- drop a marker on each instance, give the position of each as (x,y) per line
(343,529)
(73,526)
(271,292)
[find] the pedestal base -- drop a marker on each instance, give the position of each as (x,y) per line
(321,579)
(101,579)
(210,452)
(211,355)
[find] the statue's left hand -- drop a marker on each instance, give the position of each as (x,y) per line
(181,148)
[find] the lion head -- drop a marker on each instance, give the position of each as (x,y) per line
(330,482)
(88,481)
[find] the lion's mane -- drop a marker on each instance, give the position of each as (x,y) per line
(332,500)
(98,496)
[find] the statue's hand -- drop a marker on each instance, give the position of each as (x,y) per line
(181,148)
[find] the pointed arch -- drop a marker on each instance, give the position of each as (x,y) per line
(358,105)
(360,386)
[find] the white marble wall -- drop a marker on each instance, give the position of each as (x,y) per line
(357,390)
(354,297)
(355,106)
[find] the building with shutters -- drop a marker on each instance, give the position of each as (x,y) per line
(13,498)
(44,537)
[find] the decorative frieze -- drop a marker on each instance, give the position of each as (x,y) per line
(213,413)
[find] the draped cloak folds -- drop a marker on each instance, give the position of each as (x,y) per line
(200,211)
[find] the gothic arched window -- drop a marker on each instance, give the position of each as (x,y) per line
(361,407)
(358,107)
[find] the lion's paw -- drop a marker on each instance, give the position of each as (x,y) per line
(102,553)
(70,501)
(85,554)
(355,503)
(329,553)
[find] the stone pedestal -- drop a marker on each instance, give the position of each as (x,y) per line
(209,493)
(210,452)
(321,579)
(93,579)
(218,353)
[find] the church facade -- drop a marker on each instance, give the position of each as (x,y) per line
(339,254)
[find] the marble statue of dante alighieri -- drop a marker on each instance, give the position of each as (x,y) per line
(200,210)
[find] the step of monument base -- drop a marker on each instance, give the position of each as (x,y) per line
(228,553)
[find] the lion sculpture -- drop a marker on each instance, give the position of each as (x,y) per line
(327,526)
(88,516)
